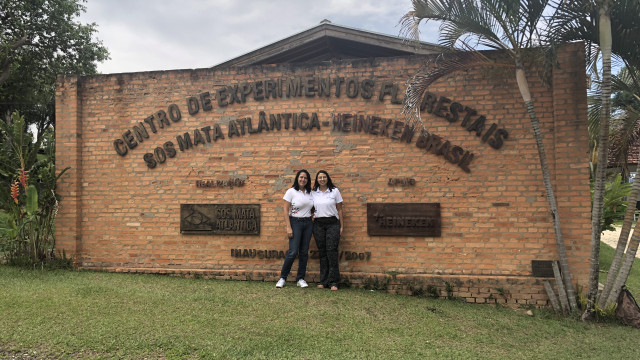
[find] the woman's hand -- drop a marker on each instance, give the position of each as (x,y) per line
(289,232)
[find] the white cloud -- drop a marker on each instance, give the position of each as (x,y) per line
(144,35)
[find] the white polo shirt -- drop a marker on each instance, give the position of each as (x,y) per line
(325,202)
(301,202)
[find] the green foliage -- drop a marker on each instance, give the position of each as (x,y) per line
(346,282)
(448,287)
(375,283)
(38,41)
(623,100)
(418,289)
(502,292)
(601,315)
(625,129)
(59,262)
(615,204)
(32,200)
(433,291)
(26,233)
(393,274)
(4,221)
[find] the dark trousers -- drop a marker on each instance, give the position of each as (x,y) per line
(326,231)
(298,246)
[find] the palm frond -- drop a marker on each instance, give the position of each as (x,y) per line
(573,21)
(593,115)
(422,10)
(624,139)
(625,134)
(623,82)
(625,127)
(410,26)
(459,19)
(627,80)
(533,15)
(443,65)
(593,54)
(625,25)
(578,21)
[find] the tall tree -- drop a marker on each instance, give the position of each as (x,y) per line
(40,39)
(625,135)
(612,28)
(508,25)
(604,28)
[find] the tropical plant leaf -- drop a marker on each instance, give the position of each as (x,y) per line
(445,64)
(32,199)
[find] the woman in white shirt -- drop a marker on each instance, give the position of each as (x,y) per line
(298,205)
(327,228)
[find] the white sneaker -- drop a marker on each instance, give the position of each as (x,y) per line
(302,283)
(280,283)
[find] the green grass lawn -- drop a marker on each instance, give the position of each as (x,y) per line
(633,282)
(92,315)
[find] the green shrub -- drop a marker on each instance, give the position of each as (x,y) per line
(614,204)
(27,228)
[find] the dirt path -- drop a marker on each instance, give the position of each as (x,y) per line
(611,238)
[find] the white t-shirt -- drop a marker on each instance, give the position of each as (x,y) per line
(301,202)
(325,202)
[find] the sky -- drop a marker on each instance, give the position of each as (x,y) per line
(147,35)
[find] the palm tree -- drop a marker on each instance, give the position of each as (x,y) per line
(604,28)
(507,25)
(615,28)
(628,133)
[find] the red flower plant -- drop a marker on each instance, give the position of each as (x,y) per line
(15,191)
(24,177)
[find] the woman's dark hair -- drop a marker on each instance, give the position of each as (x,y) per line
(307,187)
(329,182)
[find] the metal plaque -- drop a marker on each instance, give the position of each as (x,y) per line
(542,268)
(220,219)
(404,219)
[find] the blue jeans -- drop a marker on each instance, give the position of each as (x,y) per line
(298,246)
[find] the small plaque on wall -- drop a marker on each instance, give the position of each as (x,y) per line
(542,268)
(404,219)
(220,219)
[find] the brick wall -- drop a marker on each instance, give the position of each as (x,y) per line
(119,214)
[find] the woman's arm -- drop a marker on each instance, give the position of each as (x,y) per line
(287,221)
(341,215)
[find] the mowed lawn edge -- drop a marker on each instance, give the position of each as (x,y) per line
(95,315)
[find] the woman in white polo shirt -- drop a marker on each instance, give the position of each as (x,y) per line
(298,205)
(327,228)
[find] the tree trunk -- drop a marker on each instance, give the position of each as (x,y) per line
(627,263)
(523,85)
(552,296)
(603,151)
(623,240)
